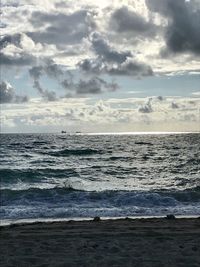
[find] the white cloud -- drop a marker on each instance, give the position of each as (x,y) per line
(105,114)
(196,93)
(19,18)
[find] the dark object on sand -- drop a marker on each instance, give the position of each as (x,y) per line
(97,219)
(170,217)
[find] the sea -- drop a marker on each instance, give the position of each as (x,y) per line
(66,176)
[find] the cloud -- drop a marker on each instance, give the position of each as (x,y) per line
(174,105)
(49,68)
(196,93)
(122,38)
(53,70)
(94,66)
(113,62)
(10,39)
(89,114)
(36,72)
(128,68)
(46,94)
(183,31)
(131,68)
(60,28)
(16,60)
(8,95)
(123,20)
(14,50)
(106,52)
(94,86)
(146,108)
(160,98)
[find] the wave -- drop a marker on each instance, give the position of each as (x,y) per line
(41,174)
(13,176)
(68,202)
(144,143)
(38,143)
(125,157)
(75,152)
(187,195)
(159,197)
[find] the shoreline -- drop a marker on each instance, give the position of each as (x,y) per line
(120,242)
(50,221)
(8,222)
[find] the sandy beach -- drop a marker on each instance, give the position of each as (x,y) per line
(123,242)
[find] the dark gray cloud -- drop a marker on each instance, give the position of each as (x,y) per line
(61,29)
(94,66)
(8,95)
(94,85)
(53,70)
(112,62)
(183,30)
(124,20)
(48,68)
(46,94)
(106,52)
(68,84)
(18,59)
(10,39)
(159,6)
(36,73)
(128,68)
(131,68)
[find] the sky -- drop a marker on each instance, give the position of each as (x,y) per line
(100,66)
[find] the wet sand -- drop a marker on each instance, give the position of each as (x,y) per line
(125,242)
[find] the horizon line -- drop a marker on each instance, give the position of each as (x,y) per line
(106,133)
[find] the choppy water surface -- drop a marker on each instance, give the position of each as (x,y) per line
(65,176)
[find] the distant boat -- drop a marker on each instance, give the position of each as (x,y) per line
(78,132)
(63,132)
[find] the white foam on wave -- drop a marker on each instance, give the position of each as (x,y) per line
(78,219)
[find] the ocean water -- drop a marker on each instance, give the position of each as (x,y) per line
(68,176)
